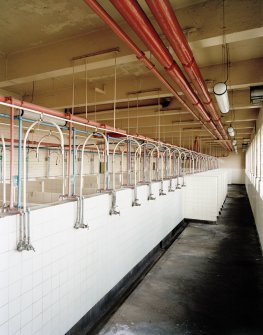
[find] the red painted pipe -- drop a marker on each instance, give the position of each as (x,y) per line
(139,22)
(55,113)
(164,15)
(141,56)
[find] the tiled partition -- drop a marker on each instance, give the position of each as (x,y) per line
(204,195)
(49,290)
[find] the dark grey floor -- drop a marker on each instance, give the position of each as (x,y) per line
(210,281)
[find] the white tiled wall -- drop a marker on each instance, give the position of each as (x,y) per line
(204,194)
(48,291)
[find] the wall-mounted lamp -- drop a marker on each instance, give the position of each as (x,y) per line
(220,92)
(231,131)
(234,142)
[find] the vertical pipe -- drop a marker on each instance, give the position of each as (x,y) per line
(4,170)
(105,167)
(19,172)
(69,158)
(144,163)
(12,112)
(74,161)
(129,163)
(107,163)
(48,163)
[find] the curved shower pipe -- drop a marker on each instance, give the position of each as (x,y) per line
(183,158)
(191,163)
(178,163)
(155,148)
(4,171)
(144,144)
(195,161)
(80,198)
(24,242)
(58,156)
(113,209)
(139,149)
(24,160)
(82,155)
(163,154)
(99,155)
(43,138)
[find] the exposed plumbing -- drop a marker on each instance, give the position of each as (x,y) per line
(80,222)
(184,157)
(135,200)
(4,204)
(151,196)
(114,208)
(24,242)
(42,139)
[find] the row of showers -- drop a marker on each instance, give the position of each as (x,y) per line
(159,160)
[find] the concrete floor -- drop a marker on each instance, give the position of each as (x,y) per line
(210,281)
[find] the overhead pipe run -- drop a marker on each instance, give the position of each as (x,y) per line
(164,15)
(97,8)
(139,22)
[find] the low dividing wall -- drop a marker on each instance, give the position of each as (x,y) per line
(48,291)
(204,195)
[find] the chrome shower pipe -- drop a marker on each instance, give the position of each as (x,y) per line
(176,149)
(99,155)
(161,191)
(155,148)
(24,160)
(184,157)
(138,150)
(26,213)
(80,204)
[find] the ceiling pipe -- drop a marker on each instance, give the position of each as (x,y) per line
(165,17)
(97,8)
(29,106)
(13,103)
(139,22)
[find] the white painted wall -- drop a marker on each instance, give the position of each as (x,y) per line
(235,167)
(254,176)
(256,202)
(48,291)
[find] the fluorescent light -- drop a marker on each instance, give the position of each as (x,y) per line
(220,92)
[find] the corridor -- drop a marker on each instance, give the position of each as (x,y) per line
(210,281)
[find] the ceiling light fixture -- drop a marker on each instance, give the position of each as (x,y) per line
(220,92)
(231,131)
(220,88)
